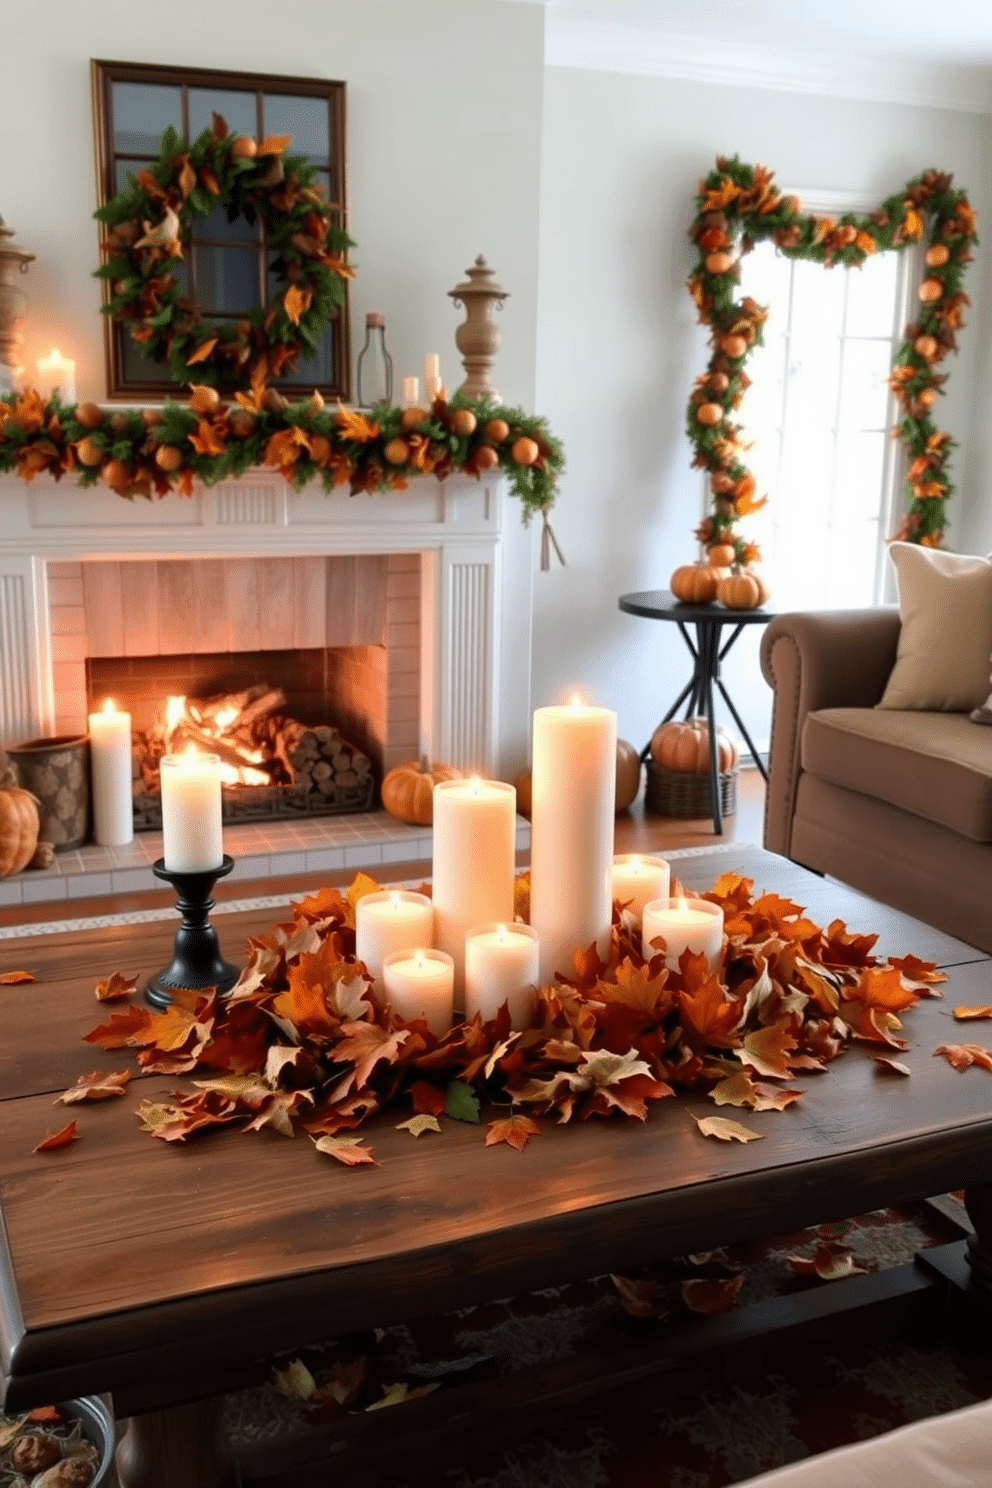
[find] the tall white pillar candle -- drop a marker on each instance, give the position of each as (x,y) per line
(573,795)
(192,840)
(394,920)
(502,964)
(420,984)
(110,768)
(637,880)
(411,391)
(57,374)
(432,375)
(474,861)
(687,925)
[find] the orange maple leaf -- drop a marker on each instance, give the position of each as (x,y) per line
(427,1099)
(515,1131)
(963,1056)
(767,1050)
(297,302)
(207,439)
(883,987)
(355,426)
(347,1150)
(114,987)
(99,1085)
(55,1141)
(274,144)
(285,447)
(711,1014)
(717,1295)
(365,1045)
(127,1028)
(10,978)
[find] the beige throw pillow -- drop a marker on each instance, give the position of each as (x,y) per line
(945,603)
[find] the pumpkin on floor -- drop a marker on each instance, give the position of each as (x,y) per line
(686,747)
(19,822)
(628,780)
(408,790)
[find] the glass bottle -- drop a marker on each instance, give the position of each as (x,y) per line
(375,365)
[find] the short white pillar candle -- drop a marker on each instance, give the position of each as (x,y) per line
(502,964)
(192,838)
(421,984)
(687,925)
(110,769)
(637,880)
(411,392)
(57,374)
(393,920)
(432,375)
(474,863)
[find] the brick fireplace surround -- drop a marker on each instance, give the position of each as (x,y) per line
(251,565)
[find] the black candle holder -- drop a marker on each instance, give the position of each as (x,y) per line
(197,961)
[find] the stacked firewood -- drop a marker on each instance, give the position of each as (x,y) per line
(250,733)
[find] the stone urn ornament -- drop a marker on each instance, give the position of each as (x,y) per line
(477,338)
(14,261)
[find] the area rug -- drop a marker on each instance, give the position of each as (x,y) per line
(718,1432)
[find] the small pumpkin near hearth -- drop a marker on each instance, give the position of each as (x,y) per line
(19,822)
(628,780)
(685,747)
(695,583)
(739,591)
(408,790)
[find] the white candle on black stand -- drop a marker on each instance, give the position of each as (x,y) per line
(192,838)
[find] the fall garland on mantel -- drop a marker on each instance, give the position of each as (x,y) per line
(151,451)
(739,205)
(301,1042)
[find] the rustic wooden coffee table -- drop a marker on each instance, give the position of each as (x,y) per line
(160,1272)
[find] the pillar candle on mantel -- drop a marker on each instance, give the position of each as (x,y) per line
(57,374)
(411,391)
(573,798)
(474,861)
(192,839)
(110,769)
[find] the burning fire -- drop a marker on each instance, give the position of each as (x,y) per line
(186,724)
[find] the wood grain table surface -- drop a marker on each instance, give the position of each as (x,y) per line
(155,1270)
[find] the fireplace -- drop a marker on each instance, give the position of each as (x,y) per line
(87,578)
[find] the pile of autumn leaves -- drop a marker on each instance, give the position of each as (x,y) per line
(301,1043)
(739,205)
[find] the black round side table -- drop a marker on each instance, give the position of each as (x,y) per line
(707,655)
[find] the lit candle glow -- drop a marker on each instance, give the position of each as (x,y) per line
(110,769)
(192,838)
(57,374)
(474,860)
(390,921)
(421,984)
(686,925)
(411,392)
(637,880)
(502,964)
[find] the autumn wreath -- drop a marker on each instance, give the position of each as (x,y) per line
(149,227)
(738,206)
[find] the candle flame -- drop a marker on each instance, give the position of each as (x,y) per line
(394,899)
(109,706)
(418,960)
(501,932)
(635,863)
(683,904)
(173,713)
(475,784)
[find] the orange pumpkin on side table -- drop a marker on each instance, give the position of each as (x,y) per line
(740,591)
(695,583)
(19,823)
(408,790)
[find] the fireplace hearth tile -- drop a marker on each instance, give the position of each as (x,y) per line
(41,887)
(88,885)
(325,860)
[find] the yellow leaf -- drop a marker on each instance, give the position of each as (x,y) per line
(355,426)
(417,1125)
(202,352)
(296,302)
(275,144)
(726,1131)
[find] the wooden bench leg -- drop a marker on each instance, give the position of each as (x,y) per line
(185,1445)
(978,1202)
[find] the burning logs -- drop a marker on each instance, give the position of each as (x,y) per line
(307,768)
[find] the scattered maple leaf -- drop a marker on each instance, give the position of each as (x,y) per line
(767,1050)
(417,1125)
(152,1115)
(515,1131)
(396,1394)
(97,1086)
(890,1066)
(341,1383)
(115,987)
(11,978)
(427,1099)
(741,1090)
(347,1150)
(726,1131)
(713,1295)
(919,973)
(461,1102)
(830,1262)
(364,1045)
(295,1380)
(127,1028)
(971,1014)
(55,1141)
(638,1297)
(963,1056)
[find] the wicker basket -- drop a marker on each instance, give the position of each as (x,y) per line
(681,794)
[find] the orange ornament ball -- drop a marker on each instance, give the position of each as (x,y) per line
(89,416)
(930,291)
(709,414)
(734,346)
(524,451)
(397,451)
(244,148)
(485,457)
(719,263)
(927,346)
(496,430)
(463,421)
(937,255)
(116,475)
(88,452)
(168,457)
(411,418)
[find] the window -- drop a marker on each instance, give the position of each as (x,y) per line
(226,268)
(820,415)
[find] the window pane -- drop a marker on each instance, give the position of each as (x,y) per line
(217,226)
(311,371)
(865,391)
(226,279)
(306,119)
(814,367)
(849,559)
(817,299)
(871,296)
(138,369)
(765,276)
(858,485)
(237,110)
(142,113)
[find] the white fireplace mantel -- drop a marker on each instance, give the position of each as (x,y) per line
(476,585)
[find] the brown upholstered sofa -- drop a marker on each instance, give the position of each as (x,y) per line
(896,804)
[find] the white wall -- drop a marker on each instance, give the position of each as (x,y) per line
(618,346)
(444,119)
